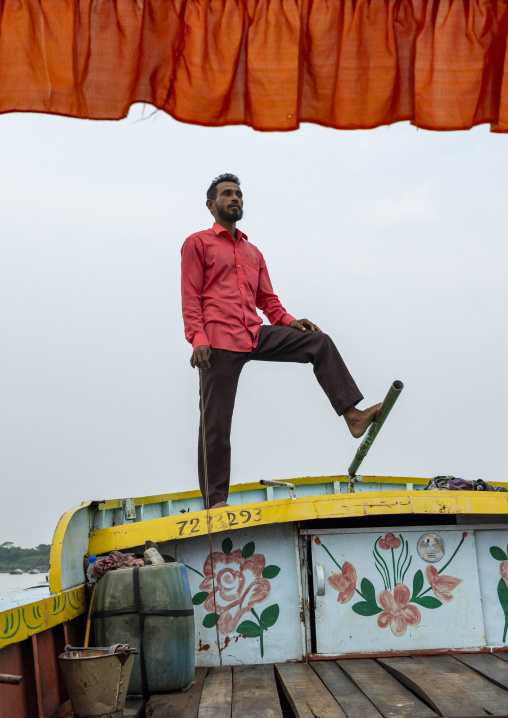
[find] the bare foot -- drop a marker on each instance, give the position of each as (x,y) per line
(219,505)
(359,421)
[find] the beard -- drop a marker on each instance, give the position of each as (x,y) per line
(233,214)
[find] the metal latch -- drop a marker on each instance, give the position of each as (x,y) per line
(129,508)
(286,484)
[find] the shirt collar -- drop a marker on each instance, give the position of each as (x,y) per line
(219,230)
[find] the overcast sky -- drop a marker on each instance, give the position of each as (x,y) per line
(392,240)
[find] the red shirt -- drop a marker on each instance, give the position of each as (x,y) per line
(223,282)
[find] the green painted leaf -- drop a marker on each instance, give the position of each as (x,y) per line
(427,602)
(210,620)
(227,546)
(270,571)
(498,553)
(168,558)
(269,616)
(502,592)
(249,629)
(368,591)
(363,608)
(417,583)
(199,598)
(248,549)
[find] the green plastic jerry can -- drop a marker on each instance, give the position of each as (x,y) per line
(150,608)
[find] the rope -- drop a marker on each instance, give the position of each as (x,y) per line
(207,506)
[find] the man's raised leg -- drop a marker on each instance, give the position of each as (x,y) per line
(286,344)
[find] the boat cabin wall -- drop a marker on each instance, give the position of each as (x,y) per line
(284,592)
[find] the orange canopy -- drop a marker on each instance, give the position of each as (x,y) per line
(270,64)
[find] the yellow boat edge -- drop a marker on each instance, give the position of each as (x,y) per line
(55,554)
(21,622)
(375,503)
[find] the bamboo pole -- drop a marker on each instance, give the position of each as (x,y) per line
(374,429)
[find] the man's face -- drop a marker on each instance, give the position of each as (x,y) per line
(228,204)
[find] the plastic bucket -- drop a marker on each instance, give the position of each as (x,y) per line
(97,679)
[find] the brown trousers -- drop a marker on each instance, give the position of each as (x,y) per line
(282,344)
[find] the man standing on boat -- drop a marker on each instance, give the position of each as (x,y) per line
(224,279)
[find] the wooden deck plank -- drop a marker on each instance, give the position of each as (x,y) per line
(390,698)
(487,665)
(217,693)
(306,694)
(183,704)
(350,698)
(436,686)
(255,692)
(503,655)
(492,698)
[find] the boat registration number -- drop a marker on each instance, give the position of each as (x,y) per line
(220,522)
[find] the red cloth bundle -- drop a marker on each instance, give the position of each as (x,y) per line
(115,560)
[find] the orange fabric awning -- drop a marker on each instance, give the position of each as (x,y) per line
(269,64)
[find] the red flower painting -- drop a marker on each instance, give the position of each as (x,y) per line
(389,541)
(239,586)
(397,613)
(503,570)
(344,583)
(442,586)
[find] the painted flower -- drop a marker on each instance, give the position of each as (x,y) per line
(389,541)
(344,583)
(503,570)
(397,613)
(238,586)
(442,586)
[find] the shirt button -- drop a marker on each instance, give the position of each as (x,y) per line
(239,265)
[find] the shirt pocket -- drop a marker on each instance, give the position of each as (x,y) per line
(251,264)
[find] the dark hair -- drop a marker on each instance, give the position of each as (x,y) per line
(227,177)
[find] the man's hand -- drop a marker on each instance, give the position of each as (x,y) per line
(200,357)
(304,324)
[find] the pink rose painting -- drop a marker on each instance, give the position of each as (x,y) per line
(239,586)
(234,584)
(396,605)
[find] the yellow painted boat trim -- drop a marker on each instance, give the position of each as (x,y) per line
(19,623)
(158,498)
(55,555)
(301,509)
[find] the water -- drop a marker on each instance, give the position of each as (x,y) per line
(9,584)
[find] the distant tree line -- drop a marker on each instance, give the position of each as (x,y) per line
(24,558)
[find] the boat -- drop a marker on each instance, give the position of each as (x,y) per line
(34,571)
(382,592)
(373,598)
(15,572)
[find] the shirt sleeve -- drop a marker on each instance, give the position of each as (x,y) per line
(193,262)
(268,302)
